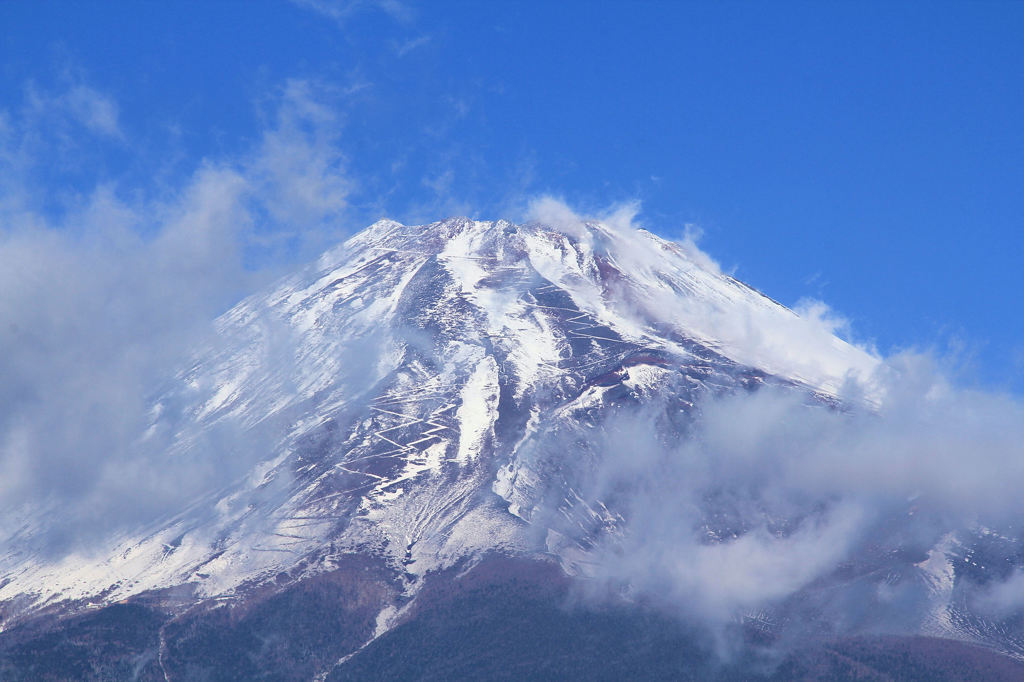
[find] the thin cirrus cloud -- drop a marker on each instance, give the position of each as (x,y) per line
(340,11)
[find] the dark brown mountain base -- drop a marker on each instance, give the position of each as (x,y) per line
(502,619)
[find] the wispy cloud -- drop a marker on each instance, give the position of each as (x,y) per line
(53,132)
(409,45)
(341,11)
(298,167)
(80,103)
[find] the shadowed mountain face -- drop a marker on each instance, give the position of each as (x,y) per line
(435,435)
(502,619)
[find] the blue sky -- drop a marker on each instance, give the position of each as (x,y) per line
(870,155)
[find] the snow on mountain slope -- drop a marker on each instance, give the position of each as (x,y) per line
(393,387)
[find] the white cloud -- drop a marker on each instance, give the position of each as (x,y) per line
(104,299)
(298,167)
(49,118)
(554,212)
(96,111)
(795,489)
(1003,598)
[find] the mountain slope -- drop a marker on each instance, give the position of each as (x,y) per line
(422,397)
(400,373)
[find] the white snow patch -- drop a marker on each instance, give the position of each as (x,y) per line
(479,409)
(939,575)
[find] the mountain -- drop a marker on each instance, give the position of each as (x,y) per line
(418,424)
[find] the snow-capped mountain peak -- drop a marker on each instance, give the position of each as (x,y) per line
(391,390)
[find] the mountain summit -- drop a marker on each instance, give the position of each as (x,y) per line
(416,404)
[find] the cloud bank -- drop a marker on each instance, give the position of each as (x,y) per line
(106,292)
(804,483)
